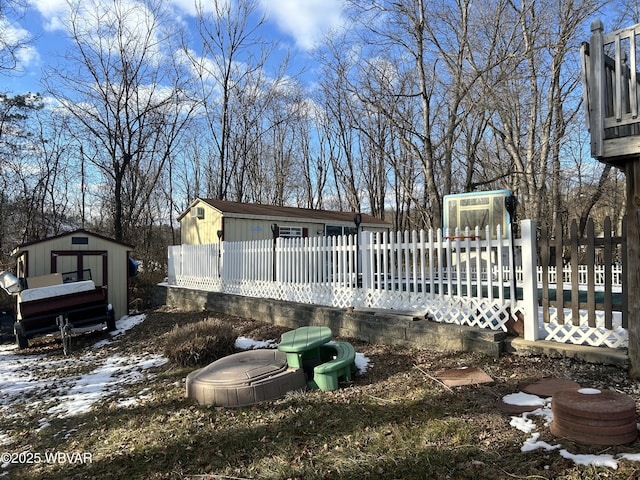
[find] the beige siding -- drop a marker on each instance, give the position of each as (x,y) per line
(197,231)
(236,229)
(375,229)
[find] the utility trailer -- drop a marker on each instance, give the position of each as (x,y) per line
(49,305)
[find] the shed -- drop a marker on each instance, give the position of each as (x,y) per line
(80,255)
(209,221)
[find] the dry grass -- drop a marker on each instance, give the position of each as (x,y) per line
(200,343)
(393,422)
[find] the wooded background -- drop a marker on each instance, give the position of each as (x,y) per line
(415,100)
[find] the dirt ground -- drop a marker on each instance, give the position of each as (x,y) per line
(389,365)
(394,376)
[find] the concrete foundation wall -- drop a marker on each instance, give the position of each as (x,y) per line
(369,326)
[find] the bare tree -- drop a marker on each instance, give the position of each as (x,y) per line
(478,95)
(23,174)
(336,123)
(58,180)
(124,86)
(316,165)
(14,40)
(422,54)
(535,99)
(234,87)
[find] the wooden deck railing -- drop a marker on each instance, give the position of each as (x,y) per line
(611,92)
(579,298)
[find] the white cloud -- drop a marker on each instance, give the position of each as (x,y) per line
(27,56)
(49,7)
(306,21)
(55,11)
(94,20)
(13,35)
(52,11)
(186,6)
(191,7)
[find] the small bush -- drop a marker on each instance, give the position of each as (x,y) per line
(200,343)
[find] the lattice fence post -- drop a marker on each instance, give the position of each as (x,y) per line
(172,262)
(529,279)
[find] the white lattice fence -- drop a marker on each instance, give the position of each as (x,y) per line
(401,271)
(586,303)
(455,279)
(562,329)
(460,279)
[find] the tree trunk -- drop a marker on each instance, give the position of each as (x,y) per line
(117,210)
(632,171)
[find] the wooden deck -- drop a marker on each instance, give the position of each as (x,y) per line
(611,93)
(610,86)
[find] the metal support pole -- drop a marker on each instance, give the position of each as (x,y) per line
(357,219)
(274,232)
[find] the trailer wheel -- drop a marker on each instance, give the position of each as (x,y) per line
(21,339)
(111,321)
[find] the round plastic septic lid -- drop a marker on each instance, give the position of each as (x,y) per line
(594,417)
(242,368)
(594,403)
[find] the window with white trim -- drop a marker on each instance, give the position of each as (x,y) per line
(338,230)
(290,232)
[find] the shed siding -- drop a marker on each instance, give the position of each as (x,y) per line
(38,261)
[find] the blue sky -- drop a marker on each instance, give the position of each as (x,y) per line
(297,24)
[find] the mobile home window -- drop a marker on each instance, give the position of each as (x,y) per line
(337,230)
(290,232)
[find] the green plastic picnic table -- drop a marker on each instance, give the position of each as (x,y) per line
(303,344)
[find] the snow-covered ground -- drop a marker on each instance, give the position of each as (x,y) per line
(42,384)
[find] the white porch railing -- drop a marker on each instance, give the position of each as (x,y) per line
(460,279)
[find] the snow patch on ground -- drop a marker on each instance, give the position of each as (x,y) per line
(102,382)
(245,343)
(35,380)
(525,424)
